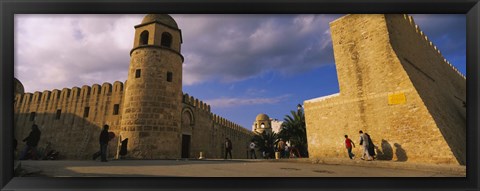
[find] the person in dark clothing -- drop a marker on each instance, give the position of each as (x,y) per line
(228,148)
(32,142)
(123,148)
(104,138)
(371,147)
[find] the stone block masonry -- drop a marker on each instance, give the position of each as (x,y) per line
(394,85)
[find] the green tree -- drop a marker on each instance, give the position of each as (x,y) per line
(293,130)
(265,142)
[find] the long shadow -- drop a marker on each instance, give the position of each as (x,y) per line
(440,87)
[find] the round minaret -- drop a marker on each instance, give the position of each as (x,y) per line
(153,95)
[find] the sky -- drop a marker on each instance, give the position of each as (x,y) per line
(242,65)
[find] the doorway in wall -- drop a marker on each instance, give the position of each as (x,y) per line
(185,146)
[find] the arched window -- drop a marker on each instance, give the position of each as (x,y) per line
(144,38)
(166,39)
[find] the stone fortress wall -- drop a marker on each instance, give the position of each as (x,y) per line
(394,85)
(75,134)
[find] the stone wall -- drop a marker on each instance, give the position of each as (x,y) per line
(74,133)
(210,130)
(385,70)
(76,136)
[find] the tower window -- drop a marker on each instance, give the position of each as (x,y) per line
(115,109)
(169,76)
(138,73)
(86,112)
(144,38)
(32,116)
(59,113)
(166,39)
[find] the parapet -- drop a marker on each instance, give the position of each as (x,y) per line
(67,94)
(190,100)
(424,37)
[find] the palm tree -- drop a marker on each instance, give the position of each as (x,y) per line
(265,142)
(293,130)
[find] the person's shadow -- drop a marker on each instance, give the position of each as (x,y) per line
(401,154)
(387,152)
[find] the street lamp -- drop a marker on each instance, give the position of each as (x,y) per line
(299,107)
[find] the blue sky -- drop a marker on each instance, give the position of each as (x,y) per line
(241,65)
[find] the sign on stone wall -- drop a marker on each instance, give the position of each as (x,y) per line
(397,98)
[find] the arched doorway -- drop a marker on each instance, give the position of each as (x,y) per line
(187,131)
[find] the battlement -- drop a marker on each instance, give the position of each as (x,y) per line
(66,94)
(190,100)
(424,37)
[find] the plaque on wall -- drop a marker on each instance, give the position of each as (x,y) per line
(397,98)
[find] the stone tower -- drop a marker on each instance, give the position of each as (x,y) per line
(262,124)
(153,95)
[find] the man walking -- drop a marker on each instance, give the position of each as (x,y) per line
(252,150)
(32,142)
(365,143)
(348,144)
(103,139)
(228,148)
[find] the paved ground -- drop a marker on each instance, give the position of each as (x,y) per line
(231,168)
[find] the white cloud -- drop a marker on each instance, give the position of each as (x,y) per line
(236,102)
(57,51)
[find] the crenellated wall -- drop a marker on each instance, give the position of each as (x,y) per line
(75,133)
(396,86)
(63,120)
(210,130)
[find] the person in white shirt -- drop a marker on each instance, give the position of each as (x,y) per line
(252,150)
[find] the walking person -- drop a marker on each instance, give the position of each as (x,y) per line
(371,147)
(281,147)
(348,144)
(252,150)
(364,143)
(103,139)
(228,148)
(32,142)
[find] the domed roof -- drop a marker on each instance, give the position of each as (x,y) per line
(163,18)
(262,117)
(18,87)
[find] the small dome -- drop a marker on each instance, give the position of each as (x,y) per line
(19,89)
(163,18)
(262,117)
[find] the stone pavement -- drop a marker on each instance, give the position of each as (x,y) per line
(237,168)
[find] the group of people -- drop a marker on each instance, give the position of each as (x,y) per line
(368,152)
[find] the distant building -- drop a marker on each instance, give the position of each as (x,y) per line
(264,123)
(276,125)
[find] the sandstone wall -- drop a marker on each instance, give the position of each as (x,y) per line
(73,134)
(210,130)
(76,136)
(382,96)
